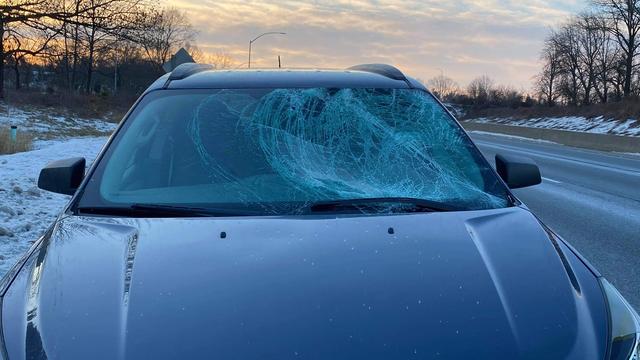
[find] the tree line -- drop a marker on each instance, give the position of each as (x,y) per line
(90,46)
(481,92)
(592,57)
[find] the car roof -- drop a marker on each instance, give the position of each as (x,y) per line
(202,76)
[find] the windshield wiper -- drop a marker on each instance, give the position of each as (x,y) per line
(406,204)
(156,210)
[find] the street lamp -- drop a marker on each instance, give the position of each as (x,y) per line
(258,37)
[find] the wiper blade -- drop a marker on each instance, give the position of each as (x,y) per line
(410,204)
(175,210)
(155,210)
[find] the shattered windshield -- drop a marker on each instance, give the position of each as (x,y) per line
(275,151)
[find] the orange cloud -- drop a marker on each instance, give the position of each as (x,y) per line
(500,38)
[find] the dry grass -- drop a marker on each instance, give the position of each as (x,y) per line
(627,109)
(24,142)
(110,108)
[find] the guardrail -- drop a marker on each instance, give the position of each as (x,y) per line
(603,142)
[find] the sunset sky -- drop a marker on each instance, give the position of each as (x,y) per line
(462,39)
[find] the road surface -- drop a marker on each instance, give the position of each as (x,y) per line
(590,198)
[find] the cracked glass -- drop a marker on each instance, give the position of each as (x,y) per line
(274,151)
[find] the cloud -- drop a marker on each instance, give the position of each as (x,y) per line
(464,39)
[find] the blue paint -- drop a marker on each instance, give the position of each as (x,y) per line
(455,284)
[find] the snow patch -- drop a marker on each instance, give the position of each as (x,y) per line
(44,125)
(598,125)
(26,211)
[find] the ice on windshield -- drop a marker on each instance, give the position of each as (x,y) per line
(347,143)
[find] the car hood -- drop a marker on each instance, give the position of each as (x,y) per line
(478,284)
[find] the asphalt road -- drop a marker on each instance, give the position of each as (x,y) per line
(590,198)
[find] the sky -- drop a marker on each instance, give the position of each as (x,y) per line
(424,38)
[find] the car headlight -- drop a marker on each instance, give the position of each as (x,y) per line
(625,326)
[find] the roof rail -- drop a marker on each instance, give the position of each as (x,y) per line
(185,70)
(381,69)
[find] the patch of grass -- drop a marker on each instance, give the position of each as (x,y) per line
(79,133)
(24,142)
(65,103)
(66,127)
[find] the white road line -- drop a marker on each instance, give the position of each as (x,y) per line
(551,180)
(557,157)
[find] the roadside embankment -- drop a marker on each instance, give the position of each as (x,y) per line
(603,142)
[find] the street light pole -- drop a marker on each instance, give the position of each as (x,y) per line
(258,37)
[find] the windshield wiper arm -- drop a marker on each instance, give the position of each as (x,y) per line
(155,210)
(175,209)
(415,204)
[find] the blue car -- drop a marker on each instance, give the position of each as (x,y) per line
(302,214)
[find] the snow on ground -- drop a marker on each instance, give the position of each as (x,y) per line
(26,211)
(44,125)
(599,125)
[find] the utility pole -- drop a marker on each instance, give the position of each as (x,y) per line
(258,37)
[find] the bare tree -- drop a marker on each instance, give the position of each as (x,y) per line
(39,14)
(589,47)
(30,13)
(606,58)
(502,95)
(479,89)
(71,42)
(89,43)
(24,42)
(624,21)
(166,31)
(547,80)
(443,86)
(582,62)
(219,59)
(104,24)
(567,43)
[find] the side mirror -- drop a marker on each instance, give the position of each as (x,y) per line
(517,172)
(62,176)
